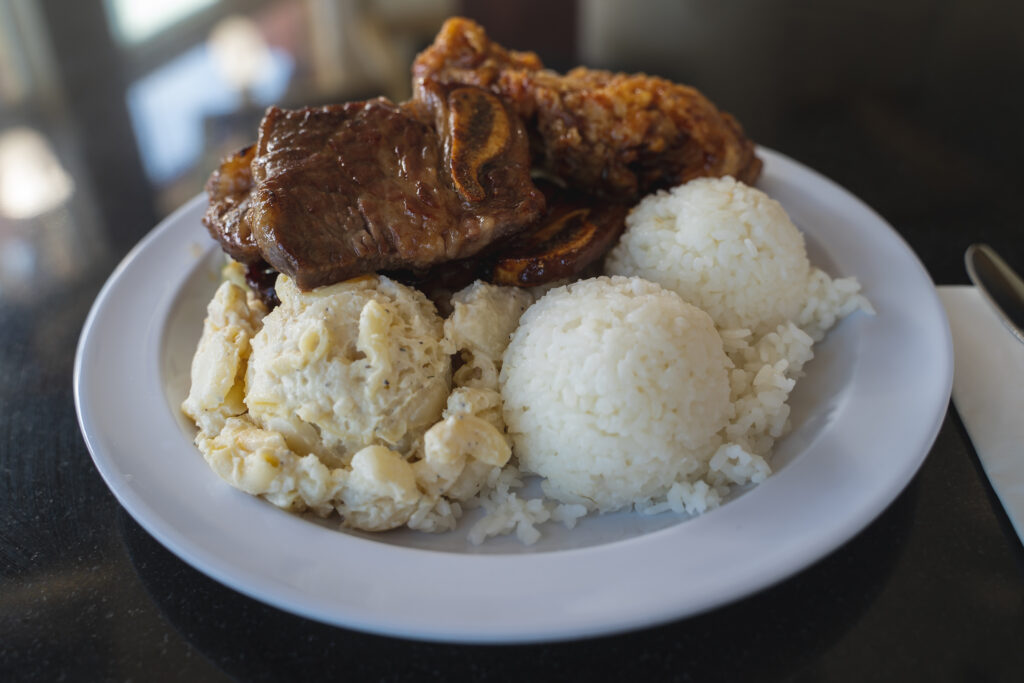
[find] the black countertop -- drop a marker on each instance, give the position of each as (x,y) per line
(915,107)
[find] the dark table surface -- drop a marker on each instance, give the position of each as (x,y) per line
(916,107)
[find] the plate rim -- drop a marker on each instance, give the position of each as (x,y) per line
(268,585)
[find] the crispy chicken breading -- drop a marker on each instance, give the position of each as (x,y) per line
(611,134)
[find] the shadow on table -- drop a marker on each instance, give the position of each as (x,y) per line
(1005,524)
(779,631)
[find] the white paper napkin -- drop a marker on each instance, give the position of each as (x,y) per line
(988,390)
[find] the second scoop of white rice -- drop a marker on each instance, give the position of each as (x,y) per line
(721,245)
(614,389)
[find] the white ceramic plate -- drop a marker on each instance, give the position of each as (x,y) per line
(864,419)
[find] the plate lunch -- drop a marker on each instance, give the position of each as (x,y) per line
(864,418)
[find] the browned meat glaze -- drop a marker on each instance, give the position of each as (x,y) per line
(344,190)
(571,238)
(227,216)
(575,233)
(616,135)
(262,279)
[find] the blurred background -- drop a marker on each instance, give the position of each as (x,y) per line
(113,112)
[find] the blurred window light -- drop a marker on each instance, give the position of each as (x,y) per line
(32,180)
(136,20)
(169,106)
(239,52)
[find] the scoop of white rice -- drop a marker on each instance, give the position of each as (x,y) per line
(614,389)
(721,245)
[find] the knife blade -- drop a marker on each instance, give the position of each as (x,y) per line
(999,284)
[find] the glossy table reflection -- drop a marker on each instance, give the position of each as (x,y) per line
(914,107)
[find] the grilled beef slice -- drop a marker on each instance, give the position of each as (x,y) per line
(345,190)
(227,215)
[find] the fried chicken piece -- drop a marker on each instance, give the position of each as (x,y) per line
(617,135)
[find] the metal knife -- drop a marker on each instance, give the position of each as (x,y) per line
(999,284)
